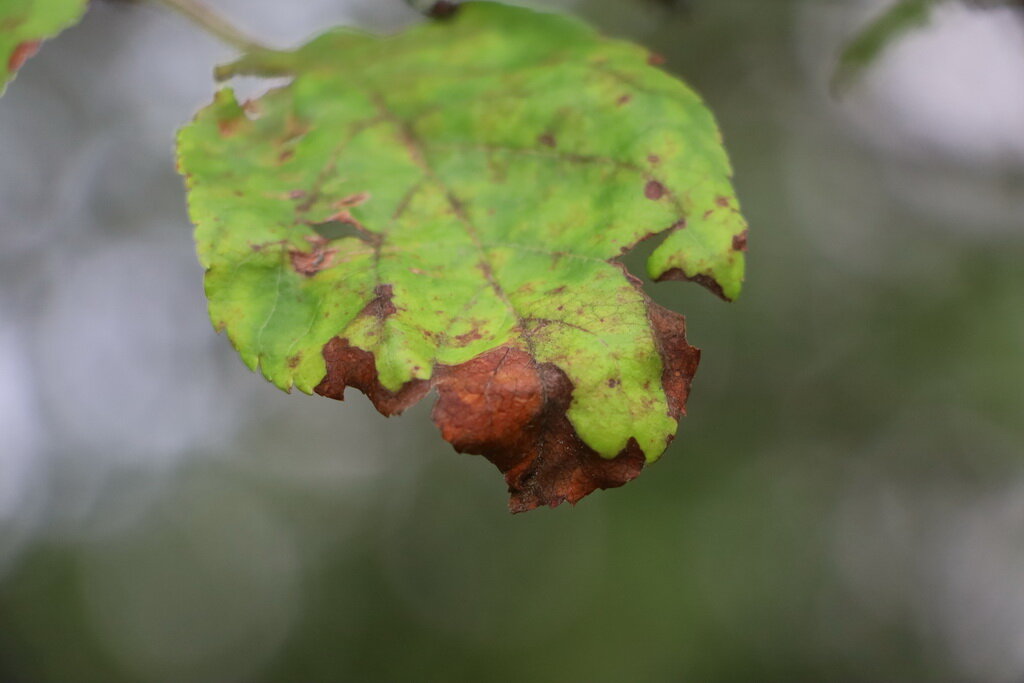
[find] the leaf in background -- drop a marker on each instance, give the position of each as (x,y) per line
(26,23)
(446,209)
(868,45)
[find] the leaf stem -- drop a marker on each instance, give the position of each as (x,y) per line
(213,23)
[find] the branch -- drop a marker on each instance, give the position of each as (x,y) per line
(213,23)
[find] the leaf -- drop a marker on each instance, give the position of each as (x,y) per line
(867,46)
(446,209)
(26,23)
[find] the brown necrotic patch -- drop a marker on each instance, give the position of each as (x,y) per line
(21,53)
(654,190)
(309,263)
(739,242)
(703,279)
(513,410)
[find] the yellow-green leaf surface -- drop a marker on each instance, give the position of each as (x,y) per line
(24,23)
(465,186)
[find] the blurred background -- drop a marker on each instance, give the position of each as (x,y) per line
(845,501)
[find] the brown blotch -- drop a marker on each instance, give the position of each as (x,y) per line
(677,274)
(229,127)
(679,359)
(443,9)
(381,306)
(468,338)
(348,366)
(624,99)
(612,383)
(21,53)
(722,202)
(739,242)
(294,361)
(352,201)
(548,140)
(512,411)
(309,263)
(654,190)
(655,59)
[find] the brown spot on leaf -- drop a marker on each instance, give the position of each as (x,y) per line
(654,190)
(612,383)
(512,410)
(654,159)
(381,306)
(294,361)
(468,338)
(348,366)
(309,263)
(548,140)
(679,359)
(297,194)
(623,100)
(677,274)
(655,59)
(722,202)
(229,127)
(739,242)
(352,201)
(443,9)
(285,155)
(21,53)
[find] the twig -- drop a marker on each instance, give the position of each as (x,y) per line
(213,23)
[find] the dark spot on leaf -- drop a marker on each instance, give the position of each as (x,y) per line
(512,410)
(229,127)
(612,383)
(624,99)
(557,290)
(285,155)
(468,338)
(297,194)
(352,201)
(654,159)
(21,53)
(655,59)
(654,190)
(294,361)
(739,242)
(381,306)
(309,263)
(708,213)
(548,140)
(722,201)
(348,366)
(676,274)
(443,9)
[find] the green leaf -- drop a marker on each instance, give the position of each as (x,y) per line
(446,208)
(867,46)
(26,23)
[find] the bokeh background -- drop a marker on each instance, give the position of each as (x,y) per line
(845,501)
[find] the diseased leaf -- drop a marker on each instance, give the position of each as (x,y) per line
(446,209)
(26,23)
